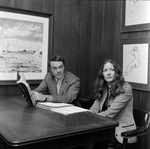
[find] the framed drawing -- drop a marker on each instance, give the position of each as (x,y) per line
(136,15)
(136,64)
(25,44)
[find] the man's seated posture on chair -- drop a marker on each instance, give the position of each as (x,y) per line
(58,85)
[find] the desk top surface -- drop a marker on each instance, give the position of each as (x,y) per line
(21,123)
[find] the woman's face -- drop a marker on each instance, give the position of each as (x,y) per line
(109,72)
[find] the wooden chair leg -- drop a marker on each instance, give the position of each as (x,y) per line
(124,146)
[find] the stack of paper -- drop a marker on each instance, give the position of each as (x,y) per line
(50,105)
(63,108)
(69,110)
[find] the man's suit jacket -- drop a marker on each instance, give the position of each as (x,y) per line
(68,91)
(120,109)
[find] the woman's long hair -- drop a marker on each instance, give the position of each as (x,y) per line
(101,84)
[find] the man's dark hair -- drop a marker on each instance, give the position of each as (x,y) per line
(56,58)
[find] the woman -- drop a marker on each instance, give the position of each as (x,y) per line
(114,98)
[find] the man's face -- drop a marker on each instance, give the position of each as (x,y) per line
(57,69)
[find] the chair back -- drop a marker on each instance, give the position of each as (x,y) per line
(142,119)
(86,101)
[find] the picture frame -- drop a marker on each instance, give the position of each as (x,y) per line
(136,64)
(135,15)
(25,44)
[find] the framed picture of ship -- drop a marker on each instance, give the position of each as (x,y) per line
(25,44)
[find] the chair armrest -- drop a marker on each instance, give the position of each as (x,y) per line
(135,132)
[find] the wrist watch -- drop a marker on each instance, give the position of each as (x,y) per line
(45,98)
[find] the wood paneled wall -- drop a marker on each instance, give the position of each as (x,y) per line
(86,32)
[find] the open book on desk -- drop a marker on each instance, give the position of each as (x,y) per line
(25,88)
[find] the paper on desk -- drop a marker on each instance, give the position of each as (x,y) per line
(50,105)
(69,110)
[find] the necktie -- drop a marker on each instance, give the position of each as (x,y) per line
(58,86)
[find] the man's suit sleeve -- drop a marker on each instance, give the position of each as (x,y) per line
(96,106)
(70,93)
(42,88)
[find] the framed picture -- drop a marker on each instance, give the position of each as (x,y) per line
(25,44)
(136,64)
(136,15)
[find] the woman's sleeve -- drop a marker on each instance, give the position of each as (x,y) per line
(96,106)
(119,102)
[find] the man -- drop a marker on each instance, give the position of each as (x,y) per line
(58,85)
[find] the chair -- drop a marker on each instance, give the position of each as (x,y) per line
(142,120)
(85,101)
(76,102)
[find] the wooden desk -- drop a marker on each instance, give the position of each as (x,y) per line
(26,127)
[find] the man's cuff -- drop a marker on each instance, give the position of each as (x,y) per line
(49,98)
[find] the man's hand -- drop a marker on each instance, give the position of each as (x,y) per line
(37,96)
